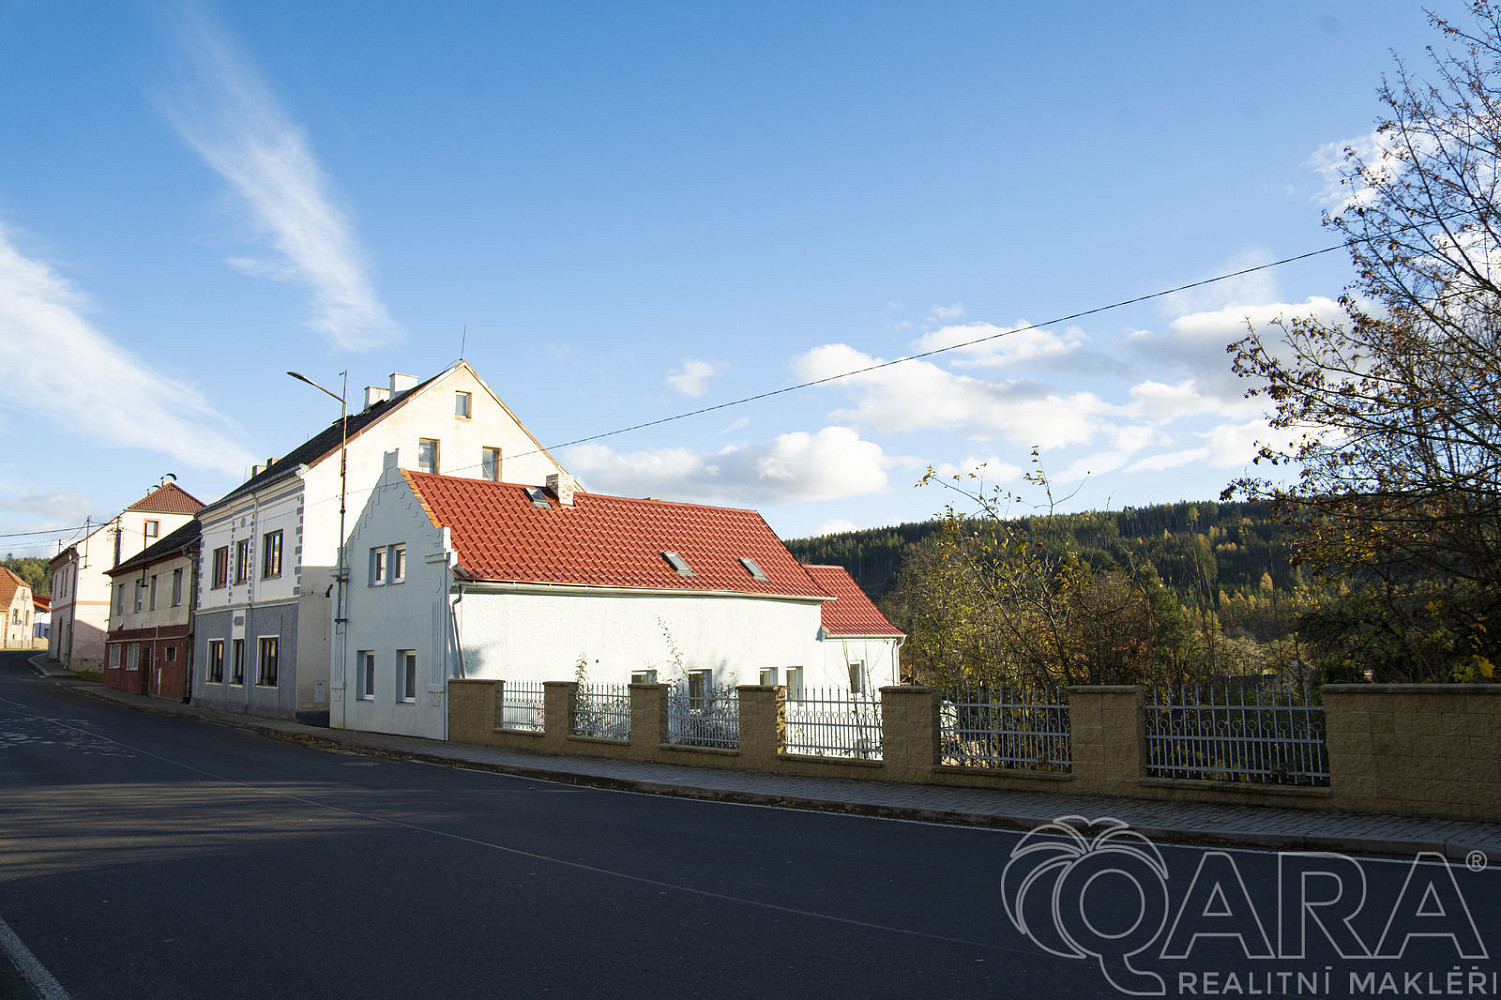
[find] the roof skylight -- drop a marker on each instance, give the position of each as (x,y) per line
(538,498)
(756,572)
(678,564)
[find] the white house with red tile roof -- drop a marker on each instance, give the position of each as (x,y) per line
(16,609)
(856,637)
(80,586)
(463,578)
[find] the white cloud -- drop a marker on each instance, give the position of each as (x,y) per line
(986,471)
(999,345)
(232,120)
(834,526)
(1258,286)
(54,508)
(921,396)
(947,312)
(1332,161)
(829,465)
(692,379)
(61,371)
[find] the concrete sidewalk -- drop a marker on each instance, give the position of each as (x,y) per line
(1179,822)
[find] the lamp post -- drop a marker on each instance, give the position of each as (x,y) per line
(341,623)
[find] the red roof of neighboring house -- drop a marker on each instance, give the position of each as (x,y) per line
(42,603)
(498,534)
(168,499)
(9,584)
(851,612)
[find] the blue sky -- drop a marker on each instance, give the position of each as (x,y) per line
(639,209)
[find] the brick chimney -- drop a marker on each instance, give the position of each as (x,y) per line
(561,486)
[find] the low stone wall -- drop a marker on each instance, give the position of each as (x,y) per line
(1430,750)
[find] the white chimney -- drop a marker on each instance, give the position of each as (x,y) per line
(561,486)
(401,383)
(375,394)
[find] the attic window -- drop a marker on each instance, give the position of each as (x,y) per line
(678,564)
(756,572)
(538,498)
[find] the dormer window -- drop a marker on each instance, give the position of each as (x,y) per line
(538,498)
(678,563)
(756,572)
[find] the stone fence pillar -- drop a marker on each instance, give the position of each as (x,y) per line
(557,714)
(909,733)
(473,710)
(648,719)
(1108,738)
(763,724)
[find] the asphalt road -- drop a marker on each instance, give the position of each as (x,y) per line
(144,855)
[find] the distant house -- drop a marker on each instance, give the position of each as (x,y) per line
(270,548)
(856,637)
(41,620)
(80,584)
(458,578)
(149,644)
(16,609)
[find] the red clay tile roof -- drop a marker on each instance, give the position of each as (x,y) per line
(42,603)
(851,612)
(604,541)
(9,584)
(169,499)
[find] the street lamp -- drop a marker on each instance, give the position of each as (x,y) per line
(343,573)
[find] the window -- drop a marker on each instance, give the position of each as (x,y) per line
(271,554)
(114,656)
(698,687)
(119,598)
(489,464)
(364,679)
(678,563)
(407,658)
(461,404)
(794,683)
(216,661)
(377,566)
(176,587)
(133,657)
(769,677)
(643,677)
(857,676)
(153,591)
(266,674)
(238,663)
(153,529)
(221,567)
(242,560)
(398,563)
(140,591)
(756,572)
(427,456)
(171,654)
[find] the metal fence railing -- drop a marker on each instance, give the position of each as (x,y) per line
(1015,728)
(703,717)
(834,724)
(1237,729)
(602,711)
(521,706)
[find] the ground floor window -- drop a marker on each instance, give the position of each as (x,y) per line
(114,656)
(407,659)
(237,672)
(364,674)
(266,671)
(132,657)
(216,661)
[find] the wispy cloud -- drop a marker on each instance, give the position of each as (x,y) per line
(692,379)
(230,117)
(61,371)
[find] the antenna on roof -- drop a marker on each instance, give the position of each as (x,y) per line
(463,341)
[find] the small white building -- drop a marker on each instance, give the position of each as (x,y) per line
(463,578)
(855,636)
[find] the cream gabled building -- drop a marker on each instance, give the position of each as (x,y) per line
(80,586)
(264,627)
(16,610)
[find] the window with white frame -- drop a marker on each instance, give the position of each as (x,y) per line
(220,575)
(140,593)
(794,683)
(271,554)
(153,529)
(768,676)
(237,663)
(242,560)
(398,565)
(114,656)
(377,566)
(643,677)
(857,676)
(153,591)
(699,682)
(133,656)
(406,660)
(463,404)
(427,455)
(364,674)
(216,661)
(176,587)
(119,597)
(489,464)
(266,670)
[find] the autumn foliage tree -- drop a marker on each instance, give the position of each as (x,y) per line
(1394,412)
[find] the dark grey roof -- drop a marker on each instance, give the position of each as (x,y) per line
(179,541)
(320,445)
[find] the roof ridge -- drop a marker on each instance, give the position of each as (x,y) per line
(491,484)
